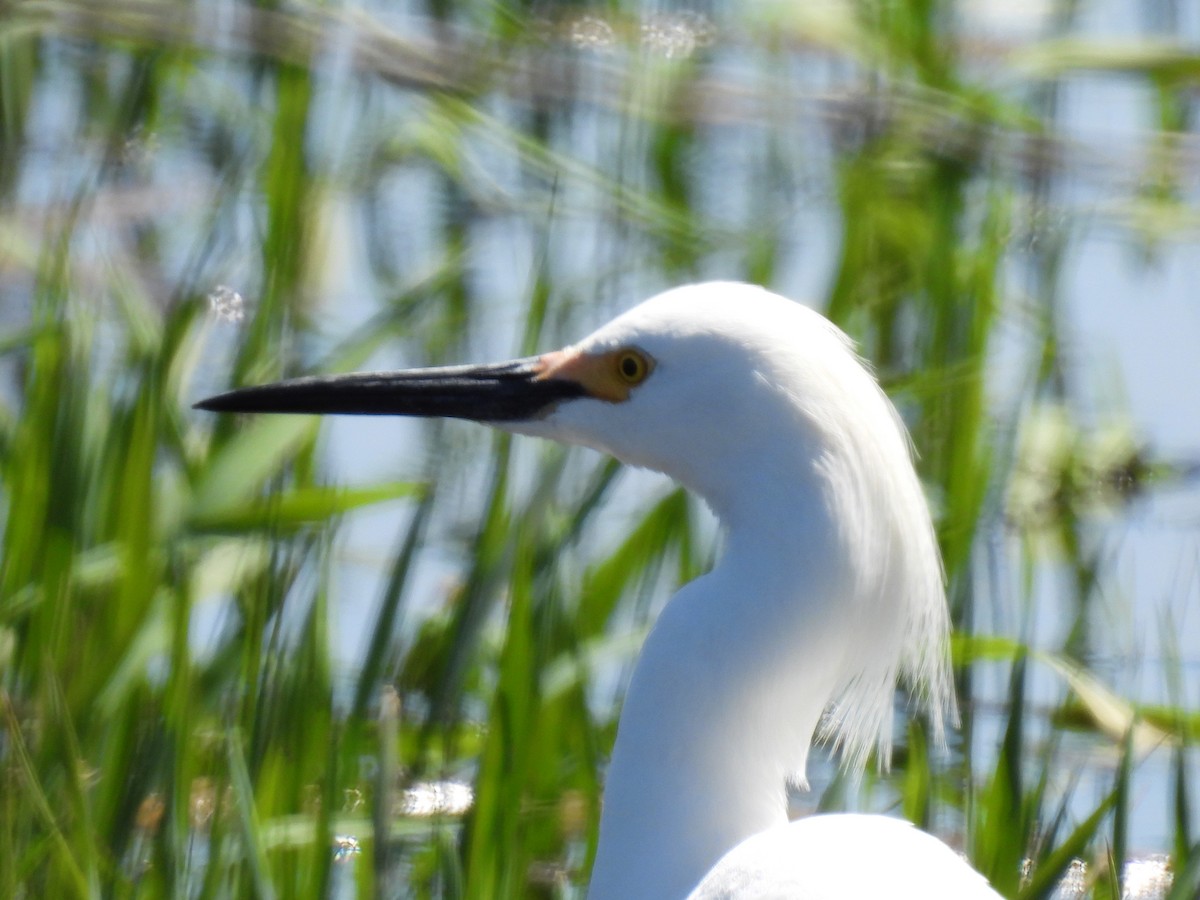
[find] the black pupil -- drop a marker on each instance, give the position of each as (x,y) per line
(629,367)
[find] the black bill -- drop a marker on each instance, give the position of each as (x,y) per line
(502,392)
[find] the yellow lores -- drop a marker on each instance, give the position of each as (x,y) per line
(606,376)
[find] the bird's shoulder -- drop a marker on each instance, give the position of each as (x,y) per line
(843,857)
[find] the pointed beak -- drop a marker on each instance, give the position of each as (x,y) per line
(502,392)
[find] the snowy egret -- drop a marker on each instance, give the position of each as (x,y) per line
(828,589)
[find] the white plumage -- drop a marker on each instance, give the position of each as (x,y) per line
(828,589)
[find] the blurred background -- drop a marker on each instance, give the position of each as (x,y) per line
(287,657)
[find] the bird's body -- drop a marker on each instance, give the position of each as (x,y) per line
(842,856)
(828,589)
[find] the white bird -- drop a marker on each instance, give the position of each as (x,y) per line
(828,589)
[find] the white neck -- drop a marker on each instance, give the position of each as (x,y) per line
(828,588)
(724,703)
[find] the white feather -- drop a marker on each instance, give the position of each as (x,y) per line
(829,588)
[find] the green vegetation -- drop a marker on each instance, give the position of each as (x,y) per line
(378,185)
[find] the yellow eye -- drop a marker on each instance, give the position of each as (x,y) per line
(632,366)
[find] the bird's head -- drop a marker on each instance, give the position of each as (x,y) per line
(752,401)
(696,382)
